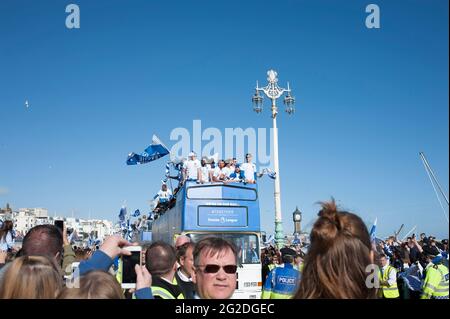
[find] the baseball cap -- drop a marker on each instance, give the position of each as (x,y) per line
(288,252)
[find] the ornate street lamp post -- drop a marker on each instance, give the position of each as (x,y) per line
(273,92)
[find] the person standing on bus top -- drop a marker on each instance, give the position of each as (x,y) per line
(233,164)
(249,169)
(203,173)
(228,169)
(215,267)
(220,172)
(191,166)
(238,175)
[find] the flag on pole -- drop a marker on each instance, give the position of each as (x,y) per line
(373,231)
(136,213)
(122,213)
(155,151)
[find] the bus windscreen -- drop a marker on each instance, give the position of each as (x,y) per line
(246,244)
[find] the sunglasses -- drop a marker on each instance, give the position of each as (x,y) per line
(212,269)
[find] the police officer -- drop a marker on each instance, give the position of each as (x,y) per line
(436,281)
(388,280)
(282,282)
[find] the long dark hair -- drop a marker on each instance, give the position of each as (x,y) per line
(340,251)
(6,228)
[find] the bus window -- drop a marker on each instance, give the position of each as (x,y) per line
(247,245)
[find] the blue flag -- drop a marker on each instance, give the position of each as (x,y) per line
(268,172)
(136,213)
(123,213)
(373,230)
(155,151)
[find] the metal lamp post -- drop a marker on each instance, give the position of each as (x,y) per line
(273,92)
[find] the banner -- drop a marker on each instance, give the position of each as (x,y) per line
(155,151)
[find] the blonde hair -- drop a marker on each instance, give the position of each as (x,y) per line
(94,285)
(31,277)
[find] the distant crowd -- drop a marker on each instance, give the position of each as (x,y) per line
(342,261)
(225,171)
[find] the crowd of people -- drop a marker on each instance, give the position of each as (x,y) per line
(342,261)
(206,171)
(226,171)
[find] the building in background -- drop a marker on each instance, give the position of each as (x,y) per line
(26,218)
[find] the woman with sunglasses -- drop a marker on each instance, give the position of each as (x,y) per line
(215,267)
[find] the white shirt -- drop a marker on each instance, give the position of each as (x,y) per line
(205,174)
(6,242)
(218,171)
(183,276)
(249,170)
(165,194)
(227,171)
(392,275)
(191,167)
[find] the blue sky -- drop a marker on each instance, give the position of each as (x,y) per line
(368,100)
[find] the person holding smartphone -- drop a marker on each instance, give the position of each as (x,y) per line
(129,276)
(103,259)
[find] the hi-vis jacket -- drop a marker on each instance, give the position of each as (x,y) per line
(281,283)
(436,281)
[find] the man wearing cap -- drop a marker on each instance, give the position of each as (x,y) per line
(282,282)
(436,281)
(191,166)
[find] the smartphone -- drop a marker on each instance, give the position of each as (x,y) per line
(128,264)
(60,224)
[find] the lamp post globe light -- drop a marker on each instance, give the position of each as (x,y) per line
(273,92)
